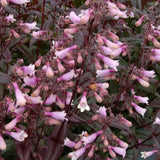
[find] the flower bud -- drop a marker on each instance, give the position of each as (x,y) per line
(49,71)
(139,22)
(2,143)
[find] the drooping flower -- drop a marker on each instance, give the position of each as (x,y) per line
(109,62)
(157,121)
(19,1)
(82,18)
(139,22)
(147,154)
(67,76)
(104,72)
(20,100)
(141,99)
(38,34)
(122,143)
(102,111)
(147,73)
(13,123)
(119,150)
(29,70)
(76,154)
(59,115)
(49,70)
(69,143)
(19,136)
(51,99)
(90,138)
(34,100)
(140,110)
(27,27)
(30,81)
(10,18)
(83,105)
(63,53)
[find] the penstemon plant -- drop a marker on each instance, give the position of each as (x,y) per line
(82,80)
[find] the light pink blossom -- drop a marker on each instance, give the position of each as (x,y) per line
(51,99)
(63,53)
(83,105)
(90,138)
(109,62)
(19,1)
(69,143)
(102,111)
(147,154)
(27,27)
(140,110)
(59,115)
(10,18)
(20,100)
(19,136)
(3,145)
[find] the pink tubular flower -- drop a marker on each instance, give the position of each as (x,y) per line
(83,105)
(141,99)
(2,143)
(82,18)
(102,111)
(34,100)
(104,72)
(147,154)
(27,27)
(30,81)
(19,110)
(108,61)
(76,154)
(69,96)
(38,62)
(63,53)
(49,70)
(139,22)
(113,36)
(19,1)
(67,76)
(140,110)
(51,99)
(19,136)
(98,97)
(36,92)
(119,150)
(10,18)
(29,70)
(70,30)
(4,2)
(143,82)
(11,105)
(13,123)
(110,44)
(21,101)
(57,115)
(69,143)
(60,66)
(122,143)
(126,122)
(157,121)
(38,34)
(103,85)
(146,73)
(90,138)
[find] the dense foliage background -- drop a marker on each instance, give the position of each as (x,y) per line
(132,50)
